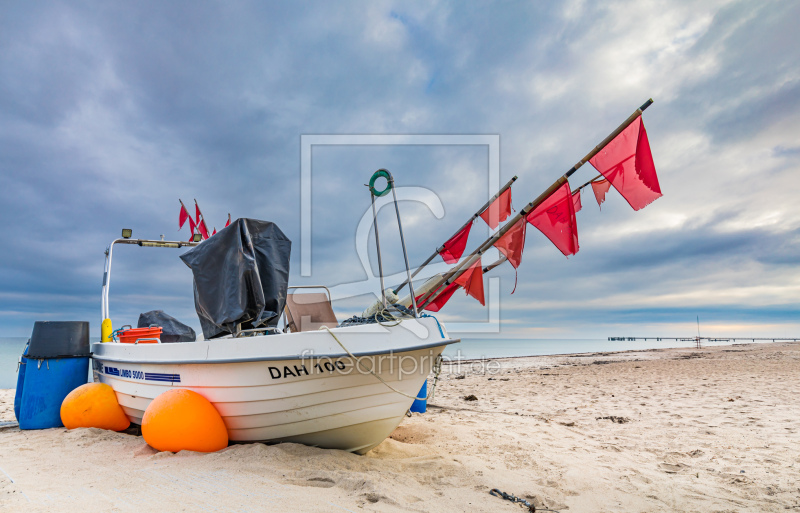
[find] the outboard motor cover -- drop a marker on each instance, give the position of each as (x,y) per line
(241,275)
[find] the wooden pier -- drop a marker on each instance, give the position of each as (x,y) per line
(698,340)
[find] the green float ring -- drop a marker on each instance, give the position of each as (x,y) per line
(380,173)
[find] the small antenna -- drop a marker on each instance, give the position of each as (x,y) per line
(698,332)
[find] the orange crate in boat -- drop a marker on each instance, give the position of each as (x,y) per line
(132,335)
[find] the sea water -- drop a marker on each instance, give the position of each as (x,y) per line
(467,349)
(472,349)
(10,351)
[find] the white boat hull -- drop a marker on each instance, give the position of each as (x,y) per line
(297,387)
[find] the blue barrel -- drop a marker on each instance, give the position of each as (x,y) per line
(419,405)
(56,362)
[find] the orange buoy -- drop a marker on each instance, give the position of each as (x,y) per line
(180,419)
(93,405)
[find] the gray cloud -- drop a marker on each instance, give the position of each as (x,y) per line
(112,113)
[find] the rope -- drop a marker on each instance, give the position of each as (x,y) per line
(356,360)
(386,314)
(512,498)
(437,368)
(385,318)
(402,309)
(437,364)
(441,332)
(381,317)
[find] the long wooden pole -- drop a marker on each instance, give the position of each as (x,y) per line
(494,264)
(465,264)
(587,183)
(471,220)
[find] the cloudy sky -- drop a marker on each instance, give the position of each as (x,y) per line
(111,112)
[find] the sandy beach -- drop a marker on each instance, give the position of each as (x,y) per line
(710,430)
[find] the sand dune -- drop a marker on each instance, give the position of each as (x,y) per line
(711,430)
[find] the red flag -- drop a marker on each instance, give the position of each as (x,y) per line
(512,243)
(499,210)
(215,231)
(453,249)
(628,164)
(600,188)
(443,297)
(201,227)
(183,216)
(472,281)
(229,221)
(555,218)
(192,226)
(576,200)
(201,221)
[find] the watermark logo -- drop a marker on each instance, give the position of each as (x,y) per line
(427,197)
(394,367)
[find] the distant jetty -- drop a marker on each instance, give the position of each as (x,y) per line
(710,339)
(698,340)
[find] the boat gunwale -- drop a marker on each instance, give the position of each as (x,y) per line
(443,342)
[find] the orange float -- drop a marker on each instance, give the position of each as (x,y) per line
(182,420)
(93,405)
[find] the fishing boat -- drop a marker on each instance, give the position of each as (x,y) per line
(315,381)
(299,387)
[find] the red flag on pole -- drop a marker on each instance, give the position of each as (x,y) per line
(443,297)
(193,227)
(628,164)
(183,216)
(472,281)
(229,221)
(499,210)
(555,218)
(201,227)
(512,243)
(201,222)
(576,200)
(215,231)
(600,188)
(453,249)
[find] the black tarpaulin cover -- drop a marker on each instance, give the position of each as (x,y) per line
(240,277)
(173,330)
